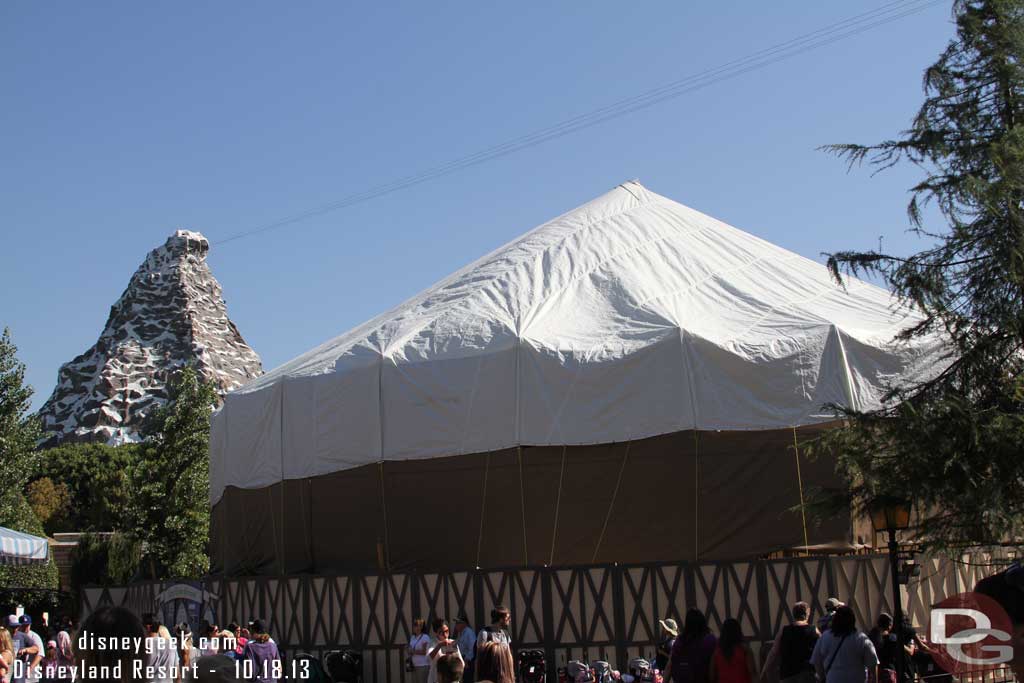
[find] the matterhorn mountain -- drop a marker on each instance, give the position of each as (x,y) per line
(171,315)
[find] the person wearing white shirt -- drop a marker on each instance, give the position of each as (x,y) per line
(440,646)
(843,654)
(419,644)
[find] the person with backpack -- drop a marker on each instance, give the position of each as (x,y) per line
(791,651)
(692,651)
(497,632)
(733,661)
(843,654)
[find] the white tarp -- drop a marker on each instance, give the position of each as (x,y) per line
(628,317)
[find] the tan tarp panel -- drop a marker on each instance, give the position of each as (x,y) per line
(677,497)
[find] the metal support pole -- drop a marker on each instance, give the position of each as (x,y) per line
(897,606)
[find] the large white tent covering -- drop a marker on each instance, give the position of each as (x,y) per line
(629,317)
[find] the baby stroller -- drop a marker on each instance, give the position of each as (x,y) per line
(578,672)
(640,670)
(344,666)
(532,666)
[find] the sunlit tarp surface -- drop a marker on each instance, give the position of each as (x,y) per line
(628,317)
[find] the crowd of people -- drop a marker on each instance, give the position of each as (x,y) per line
(114,644)
(44,655)
(831,650)
(437,657)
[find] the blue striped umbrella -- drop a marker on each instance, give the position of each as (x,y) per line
(20,548)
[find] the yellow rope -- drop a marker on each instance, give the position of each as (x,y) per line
(558,504)
(800,484)
(522,505)
(483,503)
(384,508)
(611,504)
(696,497)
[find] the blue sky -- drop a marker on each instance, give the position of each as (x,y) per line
(123,121)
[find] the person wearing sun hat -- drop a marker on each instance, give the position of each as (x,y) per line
(669,632)
(831,605)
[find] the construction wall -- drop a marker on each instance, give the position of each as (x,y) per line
(593,612)
(693,496)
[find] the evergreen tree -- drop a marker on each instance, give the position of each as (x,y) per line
(169,506)
(953,444)
(18,431)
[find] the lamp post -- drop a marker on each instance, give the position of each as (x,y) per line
(892,515)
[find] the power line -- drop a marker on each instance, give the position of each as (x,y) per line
(826,35)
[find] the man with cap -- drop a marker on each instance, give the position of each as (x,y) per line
(466,639)
(28,648)
(831,605)
(669,633)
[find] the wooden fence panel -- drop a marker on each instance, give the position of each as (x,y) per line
(786,582)
(725,590)
(604,612)
(332,612)
(863,582)
(285,600)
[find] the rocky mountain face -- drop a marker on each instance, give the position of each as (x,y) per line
(172,314)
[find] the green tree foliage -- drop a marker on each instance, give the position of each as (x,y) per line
(32,586)
(124,557)
(18,431)
(953,444)
(50,502)
(97,477)
(169,503)
(104,560)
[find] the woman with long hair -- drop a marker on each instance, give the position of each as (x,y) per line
(494,663)
(843,654)
(6,655)
(691,651)
(733,661)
